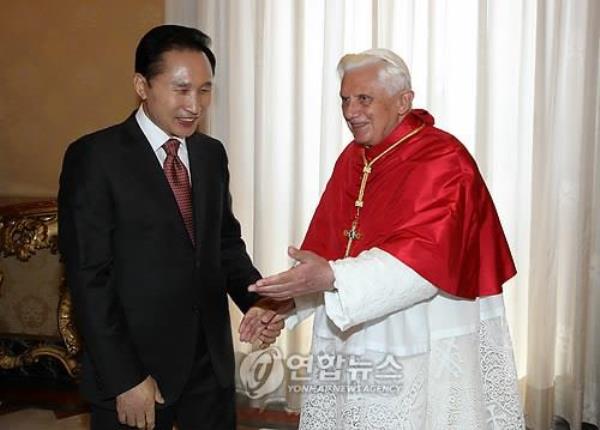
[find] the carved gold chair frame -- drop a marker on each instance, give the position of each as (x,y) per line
(22,233)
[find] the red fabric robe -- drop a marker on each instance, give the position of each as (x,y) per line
(425,203)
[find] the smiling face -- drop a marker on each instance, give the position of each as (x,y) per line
(369,110)
(176,99)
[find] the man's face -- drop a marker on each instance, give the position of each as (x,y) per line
(176,99)
(369,110)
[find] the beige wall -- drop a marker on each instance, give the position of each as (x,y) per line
(65,70)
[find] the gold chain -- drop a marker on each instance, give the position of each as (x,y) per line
(352,234)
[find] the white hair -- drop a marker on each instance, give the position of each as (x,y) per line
(393,74)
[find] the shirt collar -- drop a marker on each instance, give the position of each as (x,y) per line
(155,135)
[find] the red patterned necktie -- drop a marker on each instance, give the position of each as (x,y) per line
(177,175)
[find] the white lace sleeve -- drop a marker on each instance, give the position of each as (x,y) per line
(305,307)
(372,285)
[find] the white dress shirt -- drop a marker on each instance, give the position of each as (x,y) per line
(157,138)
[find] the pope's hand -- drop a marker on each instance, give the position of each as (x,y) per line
(312,274)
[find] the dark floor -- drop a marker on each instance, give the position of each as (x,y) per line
(561,424)
(65,401)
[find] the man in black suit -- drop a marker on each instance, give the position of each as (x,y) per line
(152,248)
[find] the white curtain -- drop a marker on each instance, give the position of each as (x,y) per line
(516,81)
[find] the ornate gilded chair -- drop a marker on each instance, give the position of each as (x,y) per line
(34,302)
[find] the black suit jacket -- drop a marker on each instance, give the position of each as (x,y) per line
(142,293)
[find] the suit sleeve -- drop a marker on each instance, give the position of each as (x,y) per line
(239,270)
(86,224)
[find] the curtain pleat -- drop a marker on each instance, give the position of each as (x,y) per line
(517,82)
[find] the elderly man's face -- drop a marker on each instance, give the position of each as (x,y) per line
(369,110)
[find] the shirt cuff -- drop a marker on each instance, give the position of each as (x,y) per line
(305,307)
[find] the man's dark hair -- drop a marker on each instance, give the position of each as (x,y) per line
(164,38)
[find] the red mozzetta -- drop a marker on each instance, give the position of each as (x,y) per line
(425,202)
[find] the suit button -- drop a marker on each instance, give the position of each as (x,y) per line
(196,308)
(99,383)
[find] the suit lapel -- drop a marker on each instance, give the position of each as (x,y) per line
(144,162)
(200,176)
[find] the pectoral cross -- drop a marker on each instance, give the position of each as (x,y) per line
(352,235)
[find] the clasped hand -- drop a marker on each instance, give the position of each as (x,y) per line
(265,320)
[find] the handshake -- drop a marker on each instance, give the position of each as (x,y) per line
(265,319)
